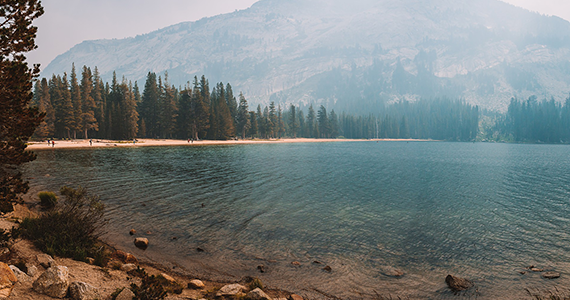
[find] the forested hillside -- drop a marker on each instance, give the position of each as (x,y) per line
(88,107)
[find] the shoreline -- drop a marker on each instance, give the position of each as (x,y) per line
(109,278)
(84,144)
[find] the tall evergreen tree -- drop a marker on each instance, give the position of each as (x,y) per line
(18,120)
(76,102)
(293,121)
(149,110)
(89,122)
(311,123)
(243,117)
(46,127)
(200,111)
(323,121)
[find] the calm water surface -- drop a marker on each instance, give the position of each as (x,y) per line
(480,211)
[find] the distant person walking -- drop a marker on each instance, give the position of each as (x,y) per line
(52,143)
(49,142)
(90,142)
(134,141)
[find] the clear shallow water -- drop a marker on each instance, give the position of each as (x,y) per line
(480,211)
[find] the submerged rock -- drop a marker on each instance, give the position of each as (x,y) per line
(296,263)
(391,271)
(327,268)
(457,283)
(551,275)
(294,297)
(261,268)
(230,290)
(132,232)
(53,282)
(141,243)
(537,269)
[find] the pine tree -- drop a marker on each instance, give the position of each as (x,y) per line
(18,120)
(89,122)
(98,94)
(130,115)
(46,128)
(76,102)
(323,120)
(293,121)
(183,120)
(311,124)
(231,103)
(168,110)
(253,130)
(333,122)
(243,117)
(149,110)
(200,111)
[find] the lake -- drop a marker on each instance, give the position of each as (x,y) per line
(480,211)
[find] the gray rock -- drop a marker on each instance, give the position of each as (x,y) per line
(457,283)
(32,270)
(551,275)
(126,294)
(45,260)
(53,282)
(230,290)
(83,291)
(128,267)
(196,284)
(258,294)
(22,277)
(141,243)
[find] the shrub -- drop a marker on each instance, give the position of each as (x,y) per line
(48,199)
(150,289)
(71,229)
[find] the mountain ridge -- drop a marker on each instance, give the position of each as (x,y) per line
(483,51)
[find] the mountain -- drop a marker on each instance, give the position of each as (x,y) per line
(352,55)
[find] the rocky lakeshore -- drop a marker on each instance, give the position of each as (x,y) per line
(28,274)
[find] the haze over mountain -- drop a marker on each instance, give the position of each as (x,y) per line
(352,55)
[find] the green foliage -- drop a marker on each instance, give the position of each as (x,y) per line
(151,288)
(71,230)
(48,199)
(18,120)
(255,283)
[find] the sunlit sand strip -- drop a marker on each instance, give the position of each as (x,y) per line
(160,142)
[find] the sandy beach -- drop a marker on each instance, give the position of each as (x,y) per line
(80,143)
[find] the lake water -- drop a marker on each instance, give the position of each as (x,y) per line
(480,211)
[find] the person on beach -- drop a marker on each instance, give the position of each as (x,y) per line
(49,142)
(52,143)
(90,142)
(134,141)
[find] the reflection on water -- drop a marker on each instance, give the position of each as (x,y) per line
(481,211)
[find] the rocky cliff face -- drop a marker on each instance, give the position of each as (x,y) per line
(349,54)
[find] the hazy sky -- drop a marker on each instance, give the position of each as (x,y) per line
(69,22)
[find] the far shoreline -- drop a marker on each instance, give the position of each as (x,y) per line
(101,143)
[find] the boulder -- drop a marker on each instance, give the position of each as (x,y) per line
(128,267)
(32,270)
(261,268)
(141,243)
(45,260)
(196,284)
(132,232)
(537,269)
(53,282)
(7,280)
(294,297)
(457,283)
(391,272)
(551,275)
(83,291)
(126,294)
(257,294)
(168,278)
(21,276)
(125,257)
(230,290)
